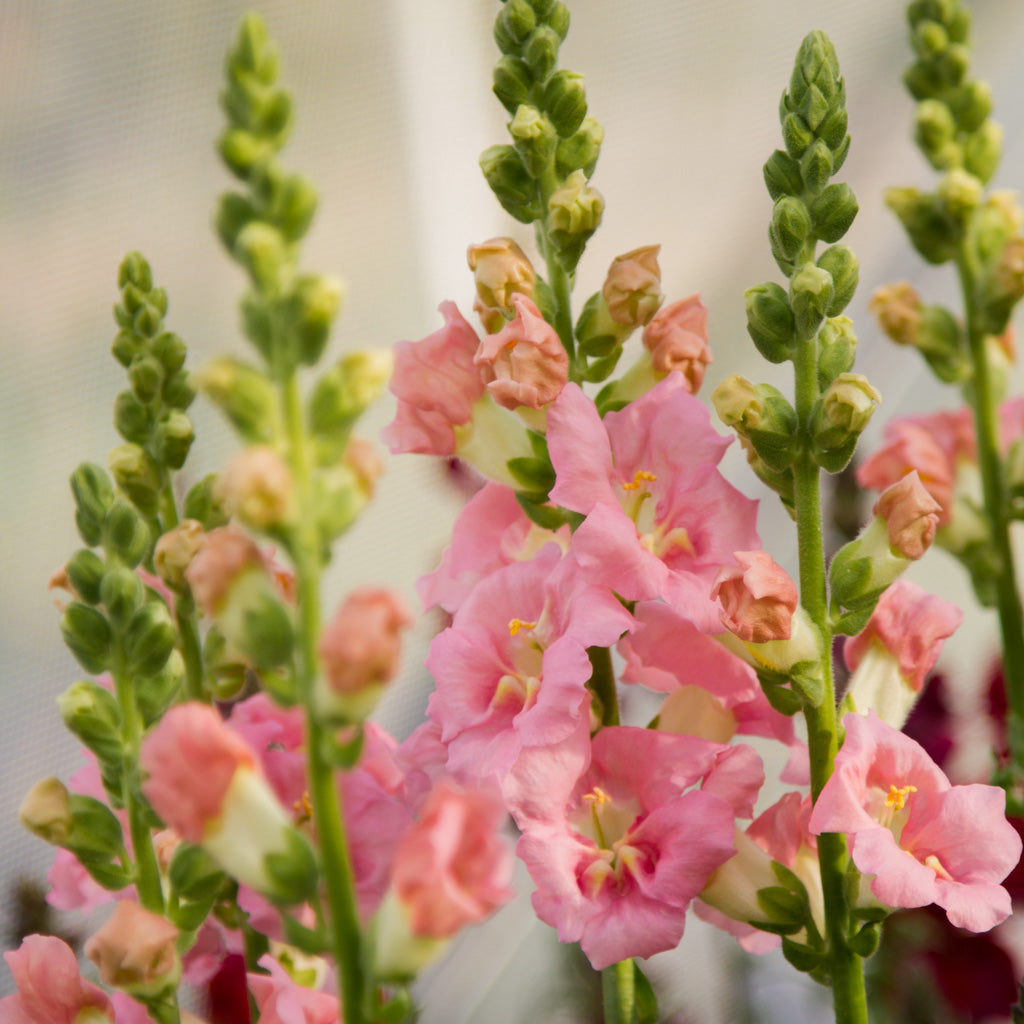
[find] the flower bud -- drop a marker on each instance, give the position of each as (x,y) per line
(501,269)
(295,204)
(261,249)
(512,82)
(837,346)
(933,233)
(45,811)
(149,639)
(84,573)
(565,101)
(309,312)
(788,231)
(960,193)
(1004,286)
(632,286)
(676,337)
(842,414)
(175,550)
(833,211)
(146,375)
(93,494)
(770,321)
(817,165)
(87,635)
(782,175)
(135,951)
(910,514)
(762,415)
(122,594)
(132,420)
(541,51)
(897,308)
(842,265)
(125,533)
(256,487)
(983,150)
(243,394)
(580,151)
(510,182)
(137,475)
(574,212)
(173,438)
(758,598)
(535,139)
(935,133)
(92,714)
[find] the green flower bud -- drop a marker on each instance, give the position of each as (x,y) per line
(172,439)
(194,875)
(294,205)
(147,320)
(535,139)
(811,292)
(953,64)
(133,420)
(512,82)
(541,51)
(260,248)
(935,133)
(833,133)
(796,135)
(983,150)
(939,339)
(243,394)
(517,20)
(135,269)
(154,695)
(761,414)
(782,175)
(170,350)
(789,228)
(46,811)
(137,475)
(926,220)
(234,212)
(93,494)
(263,630)
(971,105)
(842,266)
(837,345)
(833,211)
(770,321)
(565,102)
(203,505)
(574,212)
(1004,286)
(342,395)
(179,390)
(816,166)
(145,376)
(125,533)
(309,313)
(241,150)
(126,346)
(580,151)
(87,635)
(85,571)
(292,875)
(558,19)
(510,182)
(92,714)
(960,193)
(843,412)
(122,594)
(149,639)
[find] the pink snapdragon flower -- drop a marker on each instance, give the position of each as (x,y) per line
(758,597)
(525,362)
(619,849)
(491,530)
(135,950)
(281,1001)
(921,839)
(710,692)
(677,338)
(661,519)
(891,657)
(50,988)
(511,670)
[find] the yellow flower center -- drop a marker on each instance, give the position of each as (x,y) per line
(897,798)
(517,624)
(639,477)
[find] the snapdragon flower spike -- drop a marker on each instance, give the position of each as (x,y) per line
(619,847)
(444,407)
(50,988)
(511,670)
(661,519)
(205,782)
(922,839)
(891,657)
(491,530)
(710,692)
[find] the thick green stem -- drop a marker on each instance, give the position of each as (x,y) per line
(602,684)
(990,466)
(846,967)
(618,986)
(323,790)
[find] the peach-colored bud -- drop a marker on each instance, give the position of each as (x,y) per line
(758,598)
(165,845)
(1009,269)
(451,868)
(738,403)
(850,402)
(135,949)
(256,486)
(226,554)
(525,363)
(361,646)
(911,515)
(898,310)
(677,338)
(632,289)
(362,457)
(575,208)
(46,812)
(501,270)
(175,550)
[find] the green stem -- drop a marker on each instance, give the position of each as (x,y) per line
(327,815)
(846,967)
(986,423)
(618,986)
(602,684)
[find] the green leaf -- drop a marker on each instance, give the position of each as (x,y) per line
(646,1000)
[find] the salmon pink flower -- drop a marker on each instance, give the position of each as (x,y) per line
(921,839)
(280,1000)
(661,519)
(50,988)
(135,950)
(618,854)
(758,598)
(677,338)
(896,650)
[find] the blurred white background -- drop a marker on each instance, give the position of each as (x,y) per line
(108,114)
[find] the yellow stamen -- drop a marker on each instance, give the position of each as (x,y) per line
(303,808)
(638,477)
(517,624)
(897,798)
(598,797)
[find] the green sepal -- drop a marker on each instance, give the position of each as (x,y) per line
(511,182)
(306,315)
(865,941)
(85,571)
(851,623)
(801,956)
(194,875)
(93,715)
(833,211)
(244,395)
(835,460)
(790,225)
(122,594)
(234,212)
(580,151)
(398,1009)
(281,686)
(535,475)
(811,292)
(805,678)
(565,102)
(173,439)
(646,1002)
(94,494)
(837,347)
(309,940)
(96,834)
(293,874)
(546,516)
(770,322)
(202,505)
(107,873)
(137,476)
(778,693)
(88,636)
(512,82)
(153,696)
(345,754)
(601,369)
(149,639)
(132,419)
(782,175)
(841,264)
(932,231)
